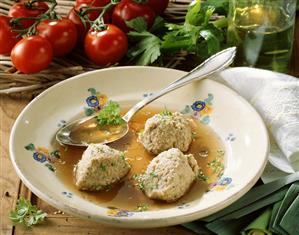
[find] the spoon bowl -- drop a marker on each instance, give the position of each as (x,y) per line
(85,131)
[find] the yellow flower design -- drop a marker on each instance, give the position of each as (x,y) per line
(220,188)
(42,150)
(206,111)
(112,212)
(103,99)
(116,212)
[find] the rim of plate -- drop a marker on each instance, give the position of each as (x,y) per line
(147,222)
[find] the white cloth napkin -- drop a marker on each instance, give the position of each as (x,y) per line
(276,97)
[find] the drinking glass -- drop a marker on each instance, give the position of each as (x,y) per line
(263,31)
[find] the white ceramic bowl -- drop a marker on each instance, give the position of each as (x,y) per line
(233,119)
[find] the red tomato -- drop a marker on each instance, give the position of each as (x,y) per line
(158,6)
(93,3)
(7,38)
(62,34)
(81,30)
(32,54)
(128,10)
(107,46)
(23,10)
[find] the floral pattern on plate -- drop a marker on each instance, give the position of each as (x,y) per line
(44,156)
(67,194)
(62,123)
(223,183)
(95,101)
(145,95)
(230,137)
(201,109)
(116,212)
(183,205)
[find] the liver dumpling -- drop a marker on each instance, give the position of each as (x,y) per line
(169,175)
(100,167)
(165,131)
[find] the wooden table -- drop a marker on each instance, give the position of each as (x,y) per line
(58,223)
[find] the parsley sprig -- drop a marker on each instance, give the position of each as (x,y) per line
(202,34)
(110,115)
(146,49)
(26,213)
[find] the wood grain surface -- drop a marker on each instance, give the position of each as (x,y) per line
(57,222)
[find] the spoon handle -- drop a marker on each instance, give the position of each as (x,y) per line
(215,63)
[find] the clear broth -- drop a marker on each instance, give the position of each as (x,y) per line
(126,194)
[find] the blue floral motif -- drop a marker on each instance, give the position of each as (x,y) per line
(124,213)
(225,181)
(67,194)
(95,102)
(62,123)
(201,109)
(186,110)
(116,212)
(147,94)
(42,155)
(198,105)
(231,137)
(183,205)
(209,100)
(39,157)
(92,101)
(205,120)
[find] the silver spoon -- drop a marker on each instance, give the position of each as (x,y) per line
(84,131)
